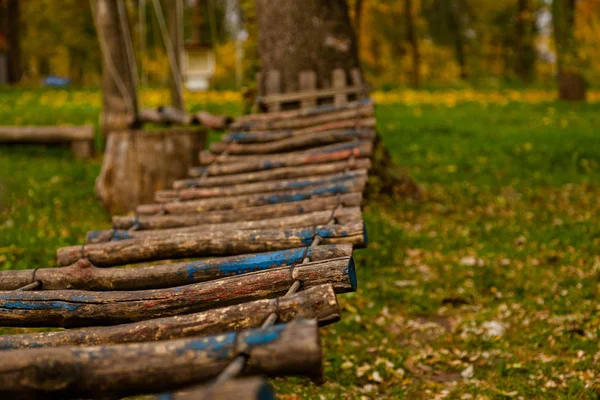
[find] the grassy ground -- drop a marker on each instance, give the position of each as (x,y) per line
(487,289)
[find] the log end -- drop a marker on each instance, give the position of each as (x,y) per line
(351,271)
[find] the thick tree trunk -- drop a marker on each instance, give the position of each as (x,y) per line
(524,46)
(297,36)
(14,40)
(571,83)
(120,105)
(411,38)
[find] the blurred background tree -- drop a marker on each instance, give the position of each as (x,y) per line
(426,43)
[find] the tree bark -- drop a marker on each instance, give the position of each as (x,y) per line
(359,176)
(174,20)
(318,303)
(525,52)
(173,220)
(131,369)
(341,216)
(120,105)
(83,275)
(358,14)
(411,38)
(239,389)
(73,308)
(308,35)
(218,243)
(571,83)
(13,38)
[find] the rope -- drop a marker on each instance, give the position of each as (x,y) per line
(109,62)
(174,65)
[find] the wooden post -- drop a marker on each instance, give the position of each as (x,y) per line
(318,303)
(308,82)
(273,86)
(128,369)
(338,77)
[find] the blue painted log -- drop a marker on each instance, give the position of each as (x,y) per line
(85,308)
(127,369)
(318,303)
(215,243)
(83,275)
(358,176)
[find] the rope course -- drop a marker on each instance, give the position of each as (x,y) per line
(235,270)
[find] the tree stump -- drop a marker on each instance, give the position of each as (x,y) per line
(138,163)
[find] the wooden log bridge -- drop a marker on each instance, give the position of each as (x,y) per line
(262,232)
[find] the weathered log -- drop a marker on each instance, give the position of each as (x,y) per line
(275,174)
(245,121)
(253,200)
(72,308)
(239,389)
(216,243)
(294,143)
(362,148)
(120,370)
(137,163)
(171,115)
(172,220)
(318,303)
(83,275)
(81,138)
(269,136)
(359,176)
(339,216)
(303,122)
(206,157)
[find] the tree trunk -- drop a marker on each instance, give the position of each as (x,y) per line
(358,11)
(174,21)
(571,83)
(13,41)
(524,46)
(309,35)
(120,105)
(411,38)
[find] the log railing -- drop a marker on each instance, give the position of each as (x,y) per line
(276,208)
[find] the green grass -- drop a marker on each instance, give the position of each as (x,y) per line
(506,236)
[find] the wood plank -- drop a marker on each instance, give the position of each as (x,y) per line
(45,134)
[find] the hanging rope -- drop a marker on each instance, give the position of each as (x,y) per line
(109,62)
(174,65)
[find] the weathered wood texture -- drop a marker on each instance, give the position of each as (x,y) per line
(255,137)
(173,220)
(83,275)
(358,149)
(359,176)
(340,216)
(318,303)
(294,143)
(275,174)
(81,138)
(244,122)
(71,308)
(138,163)
(120,370)
(301,123)
(206,157)
(171,115)
(253,200)
(216,243)
(253,388)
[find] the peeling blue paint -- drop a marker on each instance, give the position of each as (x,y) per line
(351,272)
(219,346)
(242,265)
(264,336)
(120,234)
(93,235)
(54,305)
